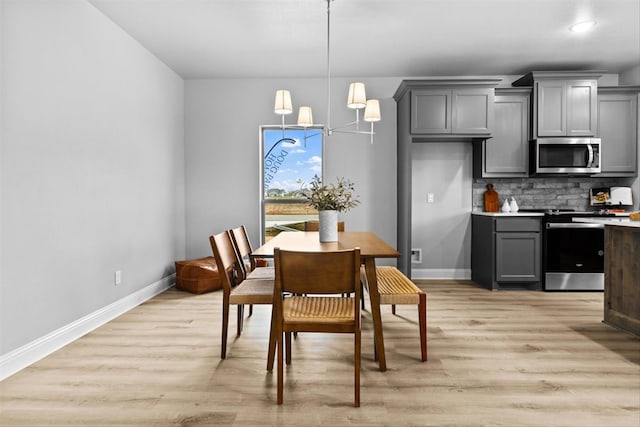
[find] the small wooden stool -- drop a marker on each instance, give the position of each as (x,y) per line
(197,276)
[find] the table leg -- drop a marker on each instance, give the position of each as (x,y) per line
(372,281)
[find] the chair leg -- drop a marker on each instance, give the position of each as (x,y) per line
(273,337)
(225,327)
(287,341)
(393,309)
(422,316)
(280,368)
(356,363)
(250,310)
(240,318)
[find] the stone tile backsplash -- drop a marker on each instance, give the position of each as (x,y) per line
(544,193)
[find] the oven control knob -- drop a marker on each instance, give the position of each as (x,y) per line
(600,252)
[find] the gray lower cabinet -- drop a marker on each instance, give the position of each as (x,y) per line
(506,252)
(618,130)
(506,154)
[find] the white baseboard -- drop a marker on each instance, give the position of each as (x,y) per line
(20,358)
(441,273)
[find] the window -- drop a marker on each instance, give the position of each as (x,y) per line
(289,160)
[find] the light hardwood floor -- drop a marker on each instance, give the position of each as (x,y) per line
(509,358)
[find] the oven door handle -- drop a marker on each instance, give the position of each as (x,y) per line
(552,225)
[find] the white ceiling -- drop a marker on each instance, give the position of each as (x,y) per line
(378,38)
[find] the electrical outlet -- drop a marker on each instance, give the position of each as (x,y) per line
(416,255)
(430,198)
(117,277)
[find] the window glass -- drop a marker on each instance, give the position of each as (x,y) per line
(290,159)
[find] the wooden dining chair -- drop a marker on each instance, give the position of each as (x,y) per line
(242,244)
(307,298)
(250,268)
(315,226)
(236,289)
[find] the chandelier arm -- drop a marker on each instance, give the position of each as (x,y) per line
(358,132)
(345,126)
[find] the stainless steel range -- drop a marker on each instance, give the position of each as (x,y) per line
(573,252)
(573,256)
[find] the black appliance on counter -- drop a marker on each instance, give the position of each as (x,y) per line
(573,252)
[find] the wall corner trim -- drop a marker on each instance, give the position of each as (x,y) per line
(20,358)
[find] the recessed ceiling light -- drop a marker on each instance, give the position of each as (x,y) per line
(581,27)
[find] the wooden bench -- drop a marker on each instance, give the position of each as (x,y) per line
(396,288)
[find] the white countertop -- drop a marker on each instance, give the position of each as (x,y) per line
(624,222)
(499,214)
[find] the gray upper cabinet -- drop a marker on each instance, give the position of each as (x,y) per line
(472,111)
(564,103)
(506,154)
(618,130)
(431,111)
(458,111)
(582,110)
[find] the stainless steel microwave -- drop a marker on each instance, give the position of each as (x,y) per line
(570,156)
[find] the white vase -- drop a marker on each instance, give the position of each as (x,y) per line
(328,226)
(513,205)
(505,206)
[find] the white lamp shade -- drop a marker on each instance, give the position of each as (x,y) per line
(283,102)
(305,116)
(372,111)
(357,96)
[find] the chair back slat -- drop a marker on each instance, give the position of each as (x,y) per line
(243,247)
(226,259)
(318,272)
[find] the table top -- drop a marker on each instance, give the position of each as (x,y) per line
(369,243)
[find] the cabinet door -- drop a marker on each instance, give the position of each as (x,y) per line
(431,111)
(507,153)
(472,111)
(551,108)
(617,129)
(518,257)
(581,107)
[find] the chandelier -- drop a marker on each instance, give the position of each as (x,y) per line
(356,100)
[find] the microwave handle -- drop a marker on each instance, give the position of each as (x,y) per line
(590,159)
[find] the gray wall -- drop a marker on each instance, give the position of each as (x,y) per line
(92,167)
(222,161)
(442,229)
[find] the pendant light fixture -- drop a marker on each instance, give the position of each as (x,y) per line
(356,99)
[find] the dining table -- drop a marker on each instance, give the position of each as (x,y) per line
(371,247)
